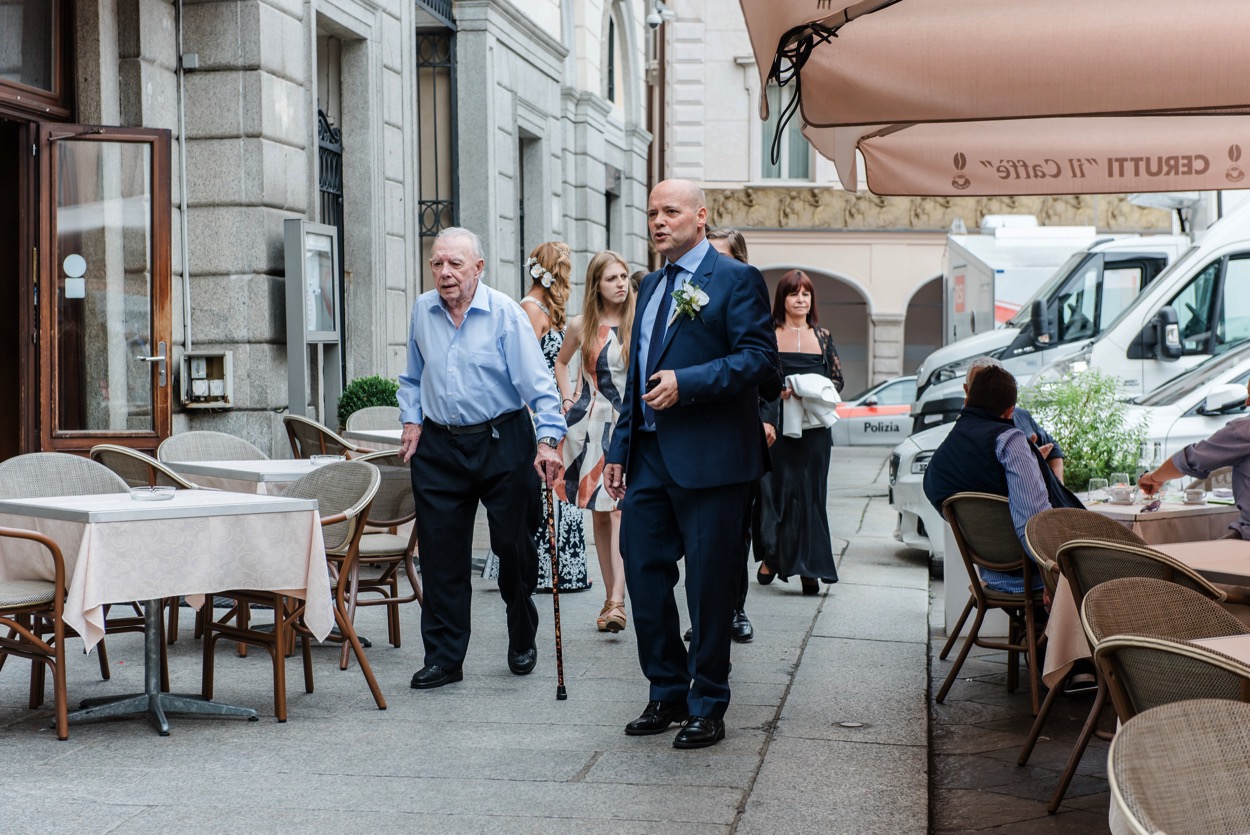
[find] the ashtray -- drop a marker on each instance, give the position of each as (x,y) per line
(319,460)
(152,494)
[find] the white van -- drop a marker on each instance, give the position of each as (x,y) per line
(1083,297)
(1198,308)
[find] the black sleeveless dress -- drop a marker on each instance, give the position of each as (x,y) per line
(790,528)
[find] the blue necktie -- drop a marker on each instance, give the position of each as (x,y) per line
(657,334)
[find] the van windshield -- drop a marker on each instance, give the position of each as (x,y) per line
(1049,287)
(1196,377)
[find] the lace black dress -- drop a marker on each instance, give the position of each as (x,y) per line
(790,528)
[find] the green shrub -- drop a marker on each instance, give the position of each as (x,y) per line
(1089,420)
(367,391)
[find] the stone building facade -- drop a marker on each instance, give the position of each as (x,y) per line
(875,261)
(390,119)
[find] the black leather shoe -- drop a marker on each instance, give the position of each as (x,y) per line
(764,578)
(432,675)
(741,630)
(700,732)
(522,663)
(689,634)
(656,718)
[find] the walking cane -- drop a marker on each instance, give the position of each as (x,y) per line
(561,695)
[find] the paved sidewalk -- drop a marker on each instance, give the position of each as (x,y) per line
(827,731)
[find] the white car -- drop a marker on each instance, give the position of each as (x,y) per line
(878,417)
(1185,409)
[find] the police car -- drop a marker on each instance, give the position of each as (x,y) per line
(880,416)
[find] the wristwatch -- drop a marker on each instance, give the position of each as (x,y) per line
(549,441)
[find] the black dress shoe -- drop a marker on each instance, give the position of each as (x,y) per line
(700,732)
(432,675)
(741,630)
(656,718)
(522,663)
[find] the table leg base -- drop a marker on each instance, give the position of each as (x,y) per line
(156,704)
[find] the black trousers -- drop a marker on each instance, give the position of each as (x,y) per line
(662,522)
(450,475)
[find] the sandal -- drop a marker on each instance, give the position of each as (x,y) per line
(613,622)
(601,621)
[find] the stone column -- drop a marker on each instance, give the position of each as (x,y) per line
(886,357)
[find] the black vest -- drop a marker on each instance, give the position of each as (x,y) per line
(966,462)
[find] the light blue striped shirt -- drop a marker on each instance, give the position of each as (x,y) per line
(490,365)
(1026,497)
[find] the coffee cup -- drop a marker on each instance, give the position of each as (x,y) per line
(1195,495)
(1122,494)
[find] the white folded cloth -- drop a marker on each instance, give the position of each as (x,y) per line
(811,405)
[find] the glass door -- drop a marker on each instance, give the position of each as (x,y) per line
(102,287)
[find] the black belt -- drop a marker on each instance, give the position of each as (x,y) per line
(477,428)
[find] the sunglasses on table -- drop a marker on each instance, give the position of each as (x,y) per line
(1152,507)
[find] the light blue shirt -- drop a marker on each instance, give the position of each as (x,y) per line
(1026,497)
(489,366)
(687,263)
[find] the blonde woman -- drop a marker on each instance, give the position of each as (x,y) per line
(549,267)
(601,335)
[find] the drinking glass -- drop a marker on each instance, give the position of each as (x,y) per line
(1119,480)
(1098,490)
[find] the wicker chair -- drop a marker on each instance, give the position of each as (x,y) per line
(987,539)
(207,446)
(1144,672)
(343,492)
(309,438)
(42,474)
(1184,768)
(137,469)
(1086,563)
(25,603)
(393,506)
(374,417)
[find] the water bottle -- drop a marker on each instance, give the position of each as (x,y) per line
(1156,460)
(1143,461)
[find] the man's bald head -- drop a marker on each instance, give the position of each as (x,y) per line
(677,217)
(690,192)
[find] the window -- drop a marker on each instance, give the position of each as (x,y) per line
(1119,287)
(1234,322)
(610,72)
(795,159)
(36,57)
(1193,310)
(897,394)
(1077,305)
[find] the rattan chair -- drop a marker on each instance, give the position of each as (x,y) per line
(343,491)
(203,445)
(1184,769)
(43,474)
(393,506)
(1087,563)
(374,417)
(309,438)
(1144,672)
(30,610)
(138,469)
(987,539)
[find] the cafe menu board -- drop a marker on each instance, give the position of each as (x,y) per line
(320,295)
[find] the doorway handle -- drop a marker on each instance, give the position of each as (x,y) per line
(160,358)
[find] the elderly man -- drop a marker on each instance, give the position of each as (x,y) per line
(473,367)
(690,442)
(1228,447)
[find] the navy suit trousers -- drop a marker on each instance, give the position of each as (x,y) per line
(661,523)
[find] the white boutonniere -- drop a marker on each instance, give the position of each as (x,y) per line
(690,300)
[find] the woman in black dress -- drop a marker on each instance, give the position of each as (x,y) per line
(790,529)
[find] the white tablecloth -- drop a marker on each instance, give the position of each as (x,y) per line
(117,550)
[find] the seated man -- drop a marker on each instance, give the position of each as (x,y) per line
(1045,443)
(987,453)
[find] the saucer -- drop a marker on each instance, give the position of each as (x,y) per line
(1120,501)
(1188,502)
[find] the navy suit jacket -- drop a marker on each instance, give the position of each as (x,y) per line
(725,359)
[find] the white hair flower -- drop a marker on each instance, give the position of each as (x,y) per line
(538,273)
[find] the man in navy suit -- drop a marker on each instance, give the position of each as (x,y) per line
(689,444)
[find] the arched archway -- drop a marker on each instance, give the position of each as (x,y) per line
(843,309)
(922,325)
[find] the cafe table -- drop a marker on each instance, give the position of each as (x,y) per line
(1234,646)
(118,549)
(1194,529)
(269,476)
(381,437)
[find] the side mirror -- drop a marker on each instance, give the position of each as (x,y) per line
(1223,398)
(1168,345)
(1039,323)
(871,401)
